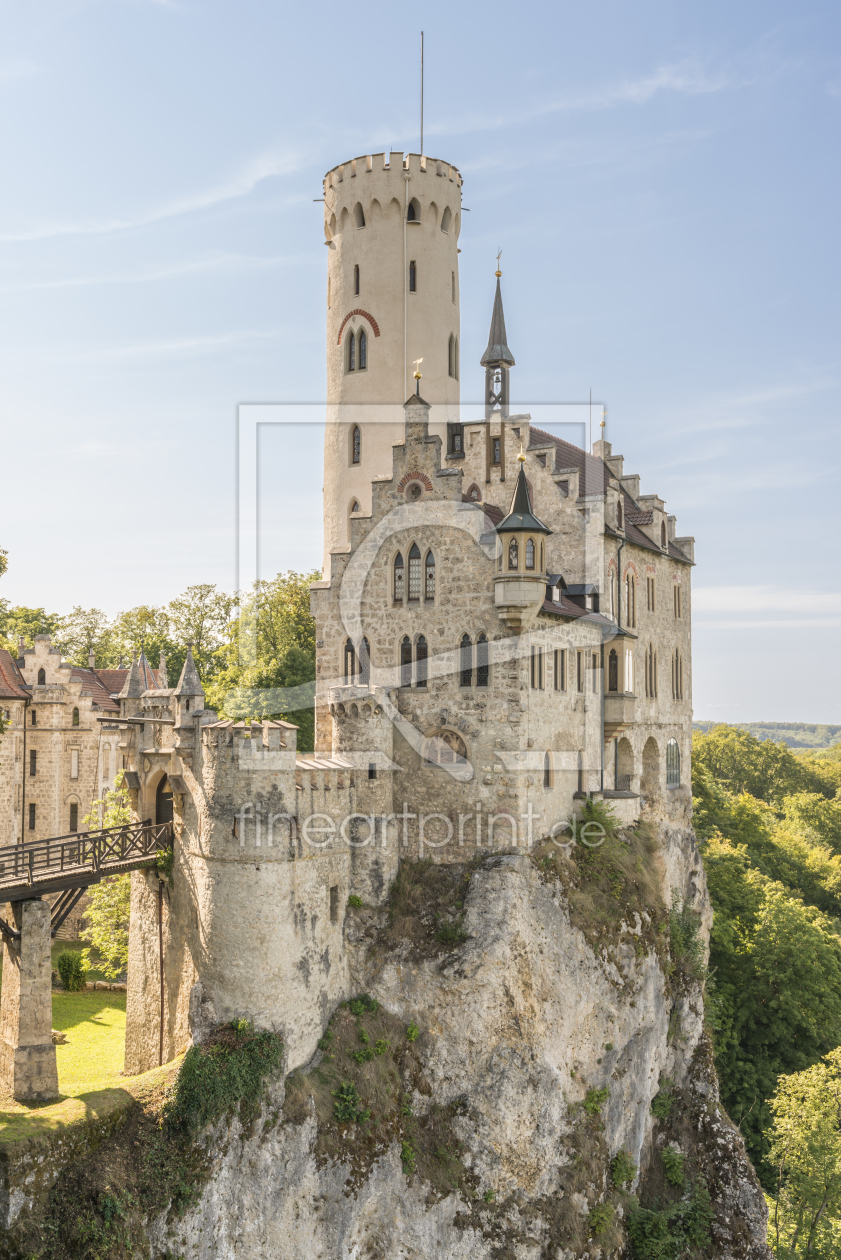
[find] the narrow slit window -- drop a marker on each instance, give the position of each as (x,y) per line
(579,670)
(413,276)
(334,904)
(363,350)
(33,762)
(421,654)
(466,662)
(398,578)
(356,279)
(351,353)
(594,663)
(482,661)
(406,662)
(42,678)
(349,668)
(429,583)
(31,816)
(74,817)
(453,282)
(547,770)
(365,662)
(75,717)
(356,448)
(414,573)
(530,553)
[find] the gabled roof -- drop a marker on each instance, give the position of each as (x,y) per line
(188,683)
(12,686)
(99,693)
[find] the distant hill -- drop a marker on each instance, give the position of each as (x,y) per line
(795,734)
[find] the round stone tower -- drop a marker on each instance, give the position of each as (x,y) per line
(391,225)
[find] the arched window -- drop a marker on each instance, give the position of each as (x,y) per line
(421,654)
(429,584)
(75,717)
(612,670)
(406,662)
(445,749)
(351,353)
(359,216)
(42,678)
(74,816)
(413,276)
(547,770)
(466,662)
(677,675)
(629,670)
(356,443)
(398,578)
(413,211)
(349,669)
(354,507)
(662,533)
(672,764)
(482,661)
(365,662)
(446,219)
(631,600)
(363,350)
(618,505)
(451,355)
(356,279)
(414,572)
(529,553)
(513,554)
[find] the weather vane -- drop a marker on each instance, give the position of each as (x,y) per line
(498,272)
(418,362)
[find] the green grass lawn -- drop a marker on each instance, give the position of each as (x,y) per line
(95,1026)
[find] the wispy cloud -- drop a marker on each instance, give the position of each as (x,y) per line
(782,623)
(685,78)
(218,263)
(242,184)
(761,598)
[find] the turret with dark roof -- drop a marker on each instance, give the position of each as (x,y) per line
(188,683)
(497,351)
(520,515)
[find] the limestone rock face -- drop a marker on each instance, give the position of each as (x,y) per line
(518,1023)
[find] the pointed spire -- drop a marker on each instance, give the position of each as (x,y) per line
(520,515)
(497,351)
(150,682)
(133,687)
(188,683)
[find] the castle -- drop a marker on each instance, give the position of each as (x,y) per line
(503,630)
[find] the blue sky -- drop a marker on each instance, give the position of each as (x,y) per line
(664,182)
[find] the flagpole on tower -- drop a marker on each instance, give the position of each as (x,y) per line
(421,144)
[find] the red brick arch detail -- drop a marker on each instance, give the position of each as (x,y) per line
(358,311)
(415,476)
(630,567)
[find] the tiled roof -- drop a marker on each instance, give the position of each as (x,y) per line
(11,679)
(103,684)
(593,478)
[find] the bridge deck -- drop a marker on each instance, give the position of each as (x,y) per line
(77,860)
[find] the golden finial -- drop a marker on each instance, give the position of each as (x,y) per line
(498,272)
(418,362)
(603,420)
(521,459)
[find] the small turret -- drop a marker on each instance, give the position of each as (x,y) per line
(189,694)
(520,584)
(497,359)
(134,686)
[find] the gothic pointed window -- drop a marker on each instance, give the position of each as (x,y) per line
(359,216)
(349,662)
(351,353)
(363,350)
(354,507)
(482,661)
(398,578)
(429,583)
(75,717)
(414,572)
(356,279)
(513,554)
(356,443)
(421,654)
(529,553)
(612,671)
(365,662)
(42,678)
(446,219)
(413,211)
(672,764)
(413,276)
(406,662)
(466,662)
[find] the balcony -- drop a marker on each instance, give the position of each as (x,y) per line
(619,713)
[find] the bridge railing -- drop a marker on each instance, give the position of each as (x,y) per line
(67,858)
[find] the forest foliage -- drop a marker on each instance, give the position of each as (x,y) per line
(770,823)
(250,648)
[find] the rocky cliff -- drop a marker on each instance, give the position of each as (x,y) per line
(527,1075)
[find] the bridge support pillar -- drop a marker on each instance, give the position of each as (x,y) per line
(27,1055)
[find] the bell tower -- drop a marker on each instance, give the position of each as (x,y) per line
(497,359)
(391,227)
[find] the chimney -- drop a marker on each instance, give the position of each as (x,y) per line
(162,674)
(91,659)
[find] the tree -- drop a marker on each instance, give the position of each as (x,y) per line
(765,769)
(18,622)
(110,900)
(805,1147)
(83,631)
(145,628)
(269,660)
(200,616)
